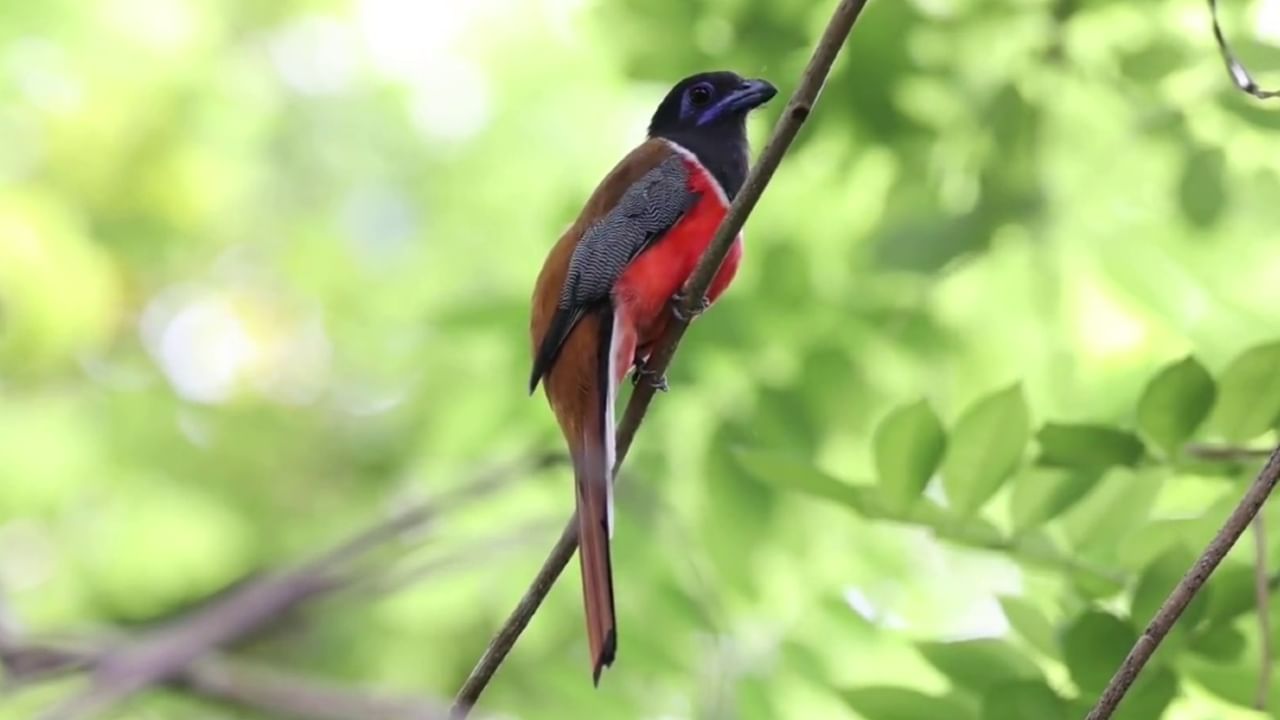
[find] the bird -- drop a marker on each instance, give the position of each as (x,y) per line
(610,285)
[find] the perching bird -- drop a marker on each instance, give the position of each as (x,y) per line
(604,295)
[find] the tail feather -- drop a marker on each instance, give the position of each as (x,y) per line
(593,473)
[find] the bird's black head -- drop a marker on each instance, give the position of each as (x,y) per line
(712,101)
(706,113)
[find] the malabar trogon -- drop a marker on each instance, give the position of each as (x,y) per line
(604,295)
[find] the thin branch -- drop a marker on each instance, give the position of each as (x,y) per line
(1187,588)
(289,695)
(1225,453)
(398,578)
(793,117)
(132,666)
(1239,75)
(251,686)
(1262,593)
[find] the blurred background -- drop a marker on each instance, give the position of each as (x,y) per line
(264,273)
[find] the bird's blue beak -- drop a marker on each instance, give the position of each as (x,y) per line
(750,94)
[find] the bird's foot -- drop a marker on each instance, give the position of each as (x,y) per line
(657,380)
(677,303)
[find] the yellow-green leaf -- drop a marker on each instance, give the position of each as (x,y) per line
(909,444)
(1175,403)
(985,448)
(1249,394)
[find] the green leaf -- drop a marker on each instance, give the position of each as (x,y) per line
(1042,493)
(1202,193)
(1155,538)
(1118,505)
(1249,394)
(1151,693)
(1095,584)
(790,473)
(1030,623)
(1093,647)
(1175,403)
(909,444)
(1235,682)
(739,509)
(1157,581)
(786,472)
(894,703)
(1088,447)
(1233,593)
(1022,701)
(979,664)
(973,531)
(1220,643)
(986,446)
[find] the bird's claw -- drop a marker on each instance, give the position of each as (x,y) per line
(657,380)
(678,302)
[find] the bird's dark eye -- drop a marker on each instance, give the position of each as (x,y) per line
(700,95)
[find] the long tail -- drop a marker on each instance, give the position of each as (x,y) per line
(593,473)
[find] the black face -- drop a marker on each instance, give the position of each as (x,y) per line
(706,115)
(709,100)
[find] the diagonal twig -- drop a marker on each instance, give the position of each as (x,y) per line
(1186,589)
(1226,453)
(1262,596)
(132,666)
(251,686)
(1239,74)
(793,116)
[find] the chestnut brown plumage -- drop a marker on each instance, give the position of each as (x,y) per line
(602,298)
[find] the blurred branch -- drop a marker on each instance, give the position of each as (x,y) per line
(1187,588)
(132,665)
(1239,74)
(396,579)
(1262,591)
(793,117)
(260,688)
(1225,453)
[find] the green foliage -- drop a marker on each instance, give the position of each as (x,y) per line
(1021,700)
(1041,494)
(1175,403)
(1093,646)
(908,445)
(1087,447)
(264,274)
(1157,581)
(1249,394)
(889,703)
(979,665)
(987,444)
(1030,623)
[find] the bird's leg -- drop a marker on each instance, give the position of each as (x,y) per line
(644,372)
(678,300)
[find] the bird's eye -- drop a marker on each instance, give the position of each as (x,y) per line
(700,95)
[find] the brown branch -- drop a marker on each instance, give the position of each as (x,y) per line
(1240,76)
(121,671)
(289,695)
(1225,453)
(1262,594)
(793,117)
(251,686)
(1187,588)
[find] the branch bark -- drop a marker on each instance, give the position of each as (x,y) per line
(129,667)
(1262,592)
(793,117)
(250,686)
(1186,589)
(1226,453)
(1239,75)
